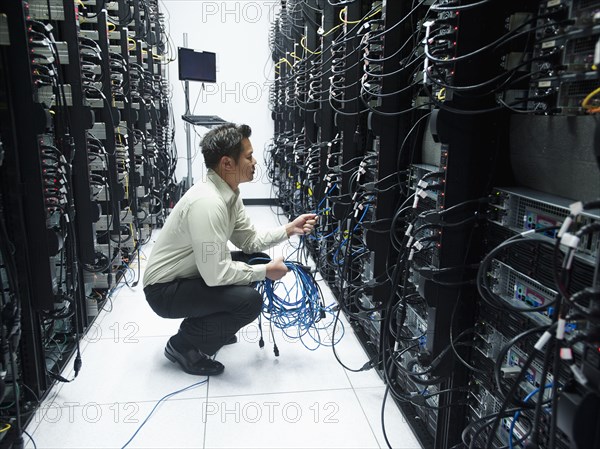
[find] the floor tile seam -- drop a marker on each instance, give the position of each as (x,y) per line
(144,401)
(273,393)
(366,417)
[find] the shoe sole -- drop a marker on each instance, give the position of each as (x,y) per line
(173,359)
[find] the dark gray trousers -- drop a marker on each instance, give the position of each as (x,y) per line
(212,315)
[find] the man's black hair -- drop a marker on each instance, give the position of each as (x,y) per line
(224,140)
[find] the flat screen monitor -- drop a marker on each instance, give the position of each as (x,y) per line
(197,65)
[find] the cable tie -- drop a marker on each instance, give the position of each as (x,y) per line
(566,354)
(528,232)
(579,376)
(409,230)
(560,329)
(570,240)
(565,226)
(415,202)
(546,336)
(576,208)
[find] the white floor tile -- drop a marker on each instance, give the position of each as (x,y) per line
(251,370)
(174,424)
(331,419)
(130,369)
(398,432)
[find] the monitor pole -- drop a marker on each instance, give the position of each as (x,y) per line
(188,130)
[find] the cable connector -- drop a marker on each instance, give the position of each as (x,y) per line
(77,365)
(367,366)
(510,372)
(276,350)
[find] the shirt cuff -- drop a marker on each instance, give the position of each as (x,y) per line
(282,234)
(259,272)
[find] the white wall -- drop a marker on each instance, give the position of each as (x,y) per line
(237,31)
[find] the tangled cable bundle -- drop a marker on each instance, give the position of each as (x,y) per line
(298,309)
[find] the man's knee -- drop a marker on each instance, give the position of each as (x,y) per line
(253,302)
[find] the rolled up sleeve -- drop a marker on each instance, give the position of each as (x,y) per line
(248,239)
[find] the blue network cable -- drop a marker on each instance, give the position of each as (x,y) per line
(511,430)
(336,260)
(334,186)
(298,310)
(164,398)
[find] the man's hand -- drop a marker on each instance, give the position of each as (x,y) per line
(276,269)
(304,224)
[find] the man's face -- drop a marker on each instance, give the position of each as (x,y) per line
(246,164)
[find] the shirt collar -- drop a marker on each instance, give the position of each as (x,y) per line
(230,196)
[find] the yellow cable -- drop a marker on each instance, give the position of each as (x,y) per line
(352,22)
(293,55)
(303,44)
(133,42)
(344,21)
(331,30)
(284,60)
(441,95)
(586,100)
(5,428)
(114,27)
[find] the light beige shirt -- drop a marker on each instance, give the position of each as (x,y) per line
(193,240)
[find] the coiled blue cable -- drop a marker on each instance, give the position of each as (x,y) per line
(298,309)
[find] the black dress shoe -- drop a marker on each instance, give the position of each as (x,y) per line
(232,340)
(193,361)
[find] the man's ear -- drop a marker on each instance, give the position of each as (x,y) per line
(227,163)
